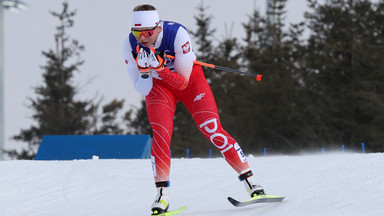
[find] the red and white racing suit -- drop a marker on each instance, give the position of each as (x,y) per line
(183,81)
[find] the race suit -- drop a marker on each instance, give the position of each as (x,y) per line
(181,80)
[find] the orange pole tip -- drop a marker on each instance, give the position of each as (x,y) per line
(258,77)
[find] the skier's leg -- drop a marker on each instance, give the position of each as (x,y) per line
(200,102)
(161,106)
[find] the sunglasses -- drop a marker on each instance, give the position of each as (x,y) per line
(146,33)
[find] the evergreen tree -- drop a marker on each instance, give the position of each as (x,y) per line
(56,110)
(137,120)
(272,110)
(346,51)
(109,119)
(203,34)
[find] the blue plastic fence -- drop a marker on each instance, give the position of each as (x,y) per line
(70,147)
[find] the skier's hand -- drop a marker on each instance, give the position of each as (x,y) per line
(143,64)
(156,60)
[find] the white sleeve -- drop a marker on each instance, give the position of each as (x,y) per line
(184,55)
(143,86)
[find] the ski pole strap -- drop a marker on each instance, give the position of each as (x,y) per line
(163,184)
(244,176)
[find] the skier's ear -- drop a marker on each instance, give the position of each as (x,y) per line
(159,29)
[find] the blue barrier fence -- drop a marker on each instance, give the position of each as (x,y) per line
(70,147)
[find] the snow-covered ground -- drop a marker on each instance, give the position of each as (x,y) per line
(327,184)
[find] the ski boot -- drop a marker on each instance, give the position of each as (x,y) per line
(161,203)
(253,188)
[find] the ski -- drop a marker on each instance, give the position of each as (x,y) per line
(256,199)
(169,213)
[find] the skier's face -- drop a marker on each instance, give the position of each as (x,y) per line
(146,36)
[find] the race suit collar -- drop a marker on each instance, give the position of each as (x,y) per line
(160,37)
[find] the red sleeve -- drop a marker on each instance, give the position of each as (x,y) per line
(173,79)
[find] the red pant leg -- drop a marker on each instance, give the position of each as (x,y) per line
(161,105)
(200,102)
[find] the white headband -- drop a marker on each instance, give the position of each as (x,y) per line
(144,19)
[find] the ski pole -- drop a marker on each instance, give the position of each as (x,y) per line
(256,76)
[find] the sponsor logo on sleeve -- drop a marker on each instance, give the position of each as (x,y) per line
(186,48)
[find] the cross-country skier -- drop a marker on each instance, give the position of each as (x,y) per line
(164,82)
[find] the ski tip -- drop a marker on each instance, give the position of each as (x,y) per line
(257,199)
(233,201)
(230,199)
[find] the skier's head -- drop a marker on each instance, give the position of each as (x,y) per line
(145,24)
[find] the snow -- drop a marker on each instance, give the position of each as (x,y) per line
(325,184)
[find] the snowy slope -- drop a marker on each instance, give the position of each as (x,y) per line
(328,184)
